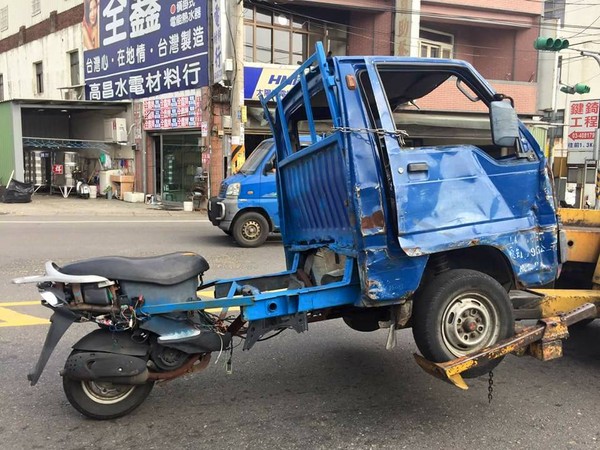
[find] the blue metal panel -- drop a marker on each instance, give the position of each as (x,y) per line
(466,198)
(314,184)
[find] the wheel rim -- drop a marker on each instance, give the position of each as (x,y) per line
(251,230)
(106,393)
(470,322)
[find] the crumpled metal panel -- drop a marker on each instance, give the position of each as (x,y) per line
(388,276)
(466,198)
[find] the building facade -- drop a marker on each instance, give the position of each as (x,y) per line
(166,68)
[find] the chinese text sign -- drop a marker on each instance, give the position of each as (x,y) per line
(583,123)
(145,47)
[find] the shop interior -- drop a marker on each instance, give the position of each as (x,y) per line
(67,145)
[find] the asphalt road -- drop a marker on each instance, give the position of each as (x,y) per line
(331,387)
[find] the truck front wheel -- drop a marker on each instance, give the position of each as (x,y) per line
(459,312)
(250,229)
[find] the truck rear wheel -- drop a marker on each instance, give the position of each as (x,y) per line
(250,229)
(459,312)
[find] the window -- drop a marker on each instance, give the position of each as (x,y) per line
(35,7)
(1,87)
(554,9)
(4,18)
(74,66)
(39,77)
(434,44)
(281,38)
(415,97)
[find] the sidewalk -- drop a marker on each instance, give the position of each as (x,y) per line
(56,205)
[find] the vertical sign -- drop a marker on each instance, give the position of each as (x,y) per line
(142,48)
(217,40)
(583,123)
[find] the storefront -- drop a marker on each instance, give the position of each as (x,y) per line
(54,144)
(179,155)
(180,173)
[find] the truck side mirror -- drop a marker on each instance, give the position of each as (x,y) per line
(504,123)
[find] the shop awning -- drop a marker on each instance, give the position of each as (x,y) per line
(74,144)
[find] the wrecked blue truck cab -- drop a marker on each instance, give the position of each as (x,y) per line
(441,227)
(392,218)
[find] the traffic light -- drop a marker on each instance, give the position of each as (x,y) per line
(546,43)
(579,88)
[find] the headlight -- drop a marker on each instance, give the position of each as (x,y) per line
(233,190)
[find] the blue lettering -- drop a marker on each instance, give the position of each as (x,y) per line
(276,79)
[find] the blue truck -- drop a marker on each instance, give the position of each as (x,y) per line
(246,207)
(384,225)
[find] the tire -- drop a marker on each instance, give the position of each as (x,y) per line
(250,229)
(453,300)
(88,397)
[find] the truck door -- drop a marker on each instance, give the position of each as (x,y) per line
(453,188)
(268,187)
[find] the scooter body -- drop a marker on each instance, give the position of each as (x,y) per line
(156,321)
(112,369)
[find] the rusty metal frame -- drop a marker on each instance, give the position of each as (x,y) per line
(543,341)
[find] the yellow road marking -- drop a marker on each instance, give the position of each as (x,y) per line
(29,303)
(9,318)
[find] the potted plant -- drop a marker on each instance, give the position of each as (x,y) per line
(108,191)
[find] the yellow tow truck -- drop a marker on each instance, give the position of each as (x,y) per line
(577,300)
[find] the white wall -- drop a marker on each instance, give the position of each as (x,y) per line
(19,73)
(20,12)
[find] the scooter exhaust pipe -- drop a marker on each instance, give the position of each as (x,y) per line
(106,367)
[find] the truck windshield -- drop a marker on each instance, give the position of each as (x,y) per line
(256,157)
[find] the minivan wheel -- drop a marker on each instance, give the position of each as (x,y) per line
(250,229)
(460,312)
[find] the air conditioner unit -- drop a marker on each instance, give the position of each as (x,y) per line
(115,130)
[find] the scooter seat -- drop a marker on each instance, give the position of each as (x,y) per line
(165,270)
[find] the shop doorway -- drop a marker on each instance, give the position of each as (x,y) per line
(180,174)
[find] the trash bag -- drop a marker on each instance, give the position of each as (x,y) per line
(17,192)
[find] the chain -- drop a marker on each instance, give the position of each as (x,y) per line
(399,134)
(491,387)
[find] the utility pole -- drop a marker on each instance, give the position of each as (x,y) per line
(236,21)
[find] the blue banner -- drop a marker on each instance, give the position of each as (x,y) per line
(261,79)
(143,48)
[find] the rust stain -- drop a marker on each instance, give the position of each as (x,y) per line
(376,220)
(546,351)
(373,289)
(416,251)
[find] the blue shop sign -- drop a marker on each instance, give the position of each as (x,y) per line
(263,78)
(143,48)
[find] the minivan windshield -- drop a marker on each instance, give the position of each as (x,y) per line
(256,157)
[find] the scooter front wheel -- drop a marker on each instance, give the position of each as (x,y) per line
(103,400)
